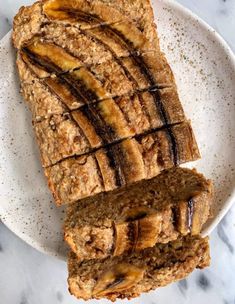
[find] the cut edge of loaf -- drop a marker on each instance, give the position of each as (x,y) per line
(176,202)
(130,275)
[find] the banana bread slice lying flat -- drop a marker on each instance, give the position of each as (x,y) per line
(106,122)
(127,276)
(121,164)
(176,202)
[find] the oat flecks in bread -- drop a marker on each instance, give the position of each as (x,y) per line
(176,202)
(127,162)
(127,276)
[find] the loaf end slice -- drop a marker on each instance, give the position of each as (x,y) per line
(122,15)
(128,276)
(176,202)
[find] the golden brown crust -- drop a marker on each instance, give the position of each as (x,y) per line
(58,137)
(27,23)
(37,94)
(141,272)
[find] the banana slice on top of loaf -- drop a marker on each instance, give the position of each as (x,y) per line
(176,202)
(51,65)
(67,92)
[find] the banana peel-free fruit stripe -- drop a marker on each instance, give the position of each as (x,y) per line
(96,82)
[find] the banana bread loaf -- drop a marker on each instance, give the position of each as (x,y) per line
(107,115)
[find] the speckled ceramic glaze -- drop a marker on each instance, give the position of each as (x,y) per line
(204,68)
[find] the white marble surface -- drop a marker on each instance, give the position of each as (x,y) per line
(29,277)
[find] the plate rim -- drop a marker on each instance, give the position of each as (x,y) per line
(229,202)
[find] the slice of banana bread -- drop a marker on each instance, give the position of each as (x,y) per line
(114,77)
(128,276)
(106,122)
(90,46)
(60,95)
(159,210)
(126,16)
(122,163)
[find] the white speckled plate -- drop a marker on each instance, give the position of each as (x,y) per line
(204,68)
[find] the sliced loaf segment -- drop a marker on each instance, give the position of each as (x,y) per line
(128,276)
(137,16)
(106,122)
(61,95)
(91,46)
(176,202)
(124,163)
(117,76)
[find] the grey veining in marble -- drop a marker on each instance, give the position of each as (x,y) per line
(29,277)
